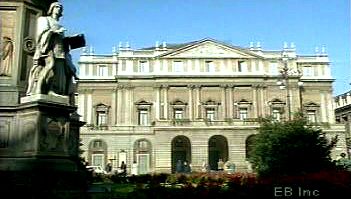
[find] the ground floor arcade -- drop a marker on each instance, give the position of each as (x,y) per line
(160,149)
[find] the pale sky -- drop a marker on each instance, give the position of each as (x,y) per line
(307,23)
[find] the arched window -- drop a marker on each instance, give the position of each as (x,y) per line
(217,149)
(142,155)
(249,143)
(181,150)
(97,153)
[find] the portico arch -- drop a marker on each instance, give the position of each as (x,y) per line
(217,149)
(181,150)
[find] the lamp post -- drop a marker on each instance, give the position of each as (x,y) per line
(285,83)
(286,72)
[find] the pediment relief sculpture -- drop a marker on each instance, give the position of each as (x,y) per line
(209,49)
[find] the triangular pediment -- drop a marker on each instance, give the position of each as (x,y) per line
(209,49)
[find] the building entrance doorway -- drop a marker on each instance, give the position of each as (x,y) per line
(217,149)
(181,150)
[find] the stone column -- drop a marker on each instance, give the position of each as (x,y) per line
(231,101)
(223,101)
(198,102)
(113,107)
(263,102)
(254,100)
(158,102)
(131,106)
(191,103)
(165,101)
(331,113)
(234,105)
(89,107)
(119,104)
(81,106)
(323,107)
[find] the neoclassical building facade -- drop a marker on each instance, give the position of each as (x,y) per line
(196,102)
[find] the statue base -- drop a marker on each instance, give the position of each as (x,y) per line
(39,149)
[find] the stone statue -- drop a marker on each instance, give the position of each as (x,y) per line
(53,71)
(6,58)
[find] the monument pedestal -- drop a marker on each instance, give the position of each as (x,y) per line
(39,143)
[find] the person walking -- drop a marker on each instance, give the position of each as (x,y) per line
(123,168)
(220,165)
(179,167)
(186,167)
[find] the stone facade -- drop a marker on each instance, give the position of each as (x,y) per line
(343,115)
(197,101)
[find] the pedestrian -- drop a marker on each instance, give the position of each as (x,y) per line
(186,167)
(179,167)
(204,166)
(124,168)
(220,165)
(108,167)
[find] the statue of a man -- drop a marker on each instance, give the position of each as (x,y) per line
(53,70)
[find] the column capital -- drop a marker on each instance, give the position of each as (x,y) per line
(191,86)
(157,86)
(231,85)
(224,85)
(88,90)
(165,86)
(120,86)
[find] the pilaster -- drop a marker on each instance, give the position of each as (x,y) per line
(165,101)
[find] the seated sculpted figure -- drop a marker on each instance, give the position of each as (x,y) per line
(53,70)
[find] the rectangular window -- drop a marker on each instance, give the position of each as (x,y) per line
(178,66)
(209,66)
(311,116)
(143,67)
(273,68)
(210,114)
(242,66)
(307,71)
(102,70)
(97,160)
(276,114)
(101,118)
(143,117)
(243,113)
(178,113)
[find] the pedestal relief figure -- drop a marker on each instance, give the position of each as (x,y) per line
(7,56)
(53,70)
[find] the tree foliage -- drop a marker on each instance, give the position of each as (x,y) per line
(291,147)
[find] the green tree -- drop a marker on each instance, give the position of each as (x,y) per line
(291,147)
